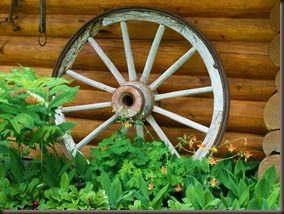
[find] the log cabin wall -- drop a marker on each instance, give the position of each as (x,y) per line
(240,31)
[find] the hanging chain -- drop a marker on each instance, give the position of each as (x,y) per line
(42,23)
(13,5)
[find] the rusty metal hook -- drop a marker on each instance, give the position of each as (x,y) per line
(11,12)
(42,23)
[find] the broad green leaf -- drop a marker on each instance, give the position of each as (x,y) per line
(273,198)
(236,205)
(8,108)
(16,165)
(258,203)
(51,179)
(25,119)
(64,181)
(16,126)
(32,185)
(144,189)
(263,186)
(62,98)
(156,202)
(81,163)
(269,174)
(239,170)
(243,193)
(66,126)
(116,189)
(3,125)
(212,205)
(224,176)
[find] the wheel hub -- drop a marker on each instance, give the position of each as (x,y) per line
(133,99)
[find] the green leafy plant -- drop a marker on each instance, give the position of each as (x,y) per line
(69,197)
(28,106)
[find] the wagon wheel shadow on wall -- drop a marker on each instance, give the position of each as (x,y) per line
(184,91)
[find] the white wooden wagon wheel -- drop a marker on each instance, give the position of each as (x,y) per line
(135,96)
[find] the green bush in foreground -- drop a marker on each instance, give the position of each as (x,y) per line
(135,175)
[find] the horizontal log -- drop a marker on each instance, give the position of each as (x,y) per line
(245,116)
(215,29)
(240,89)
(240,59)
(272,160)
(272,142)
(222,8)
(274,50)
(275,18)
(272,112)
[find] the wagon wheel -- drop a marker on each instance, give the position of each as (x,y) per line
(135,96)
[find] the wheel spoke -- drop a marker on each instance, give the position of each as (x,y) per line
(172,69)
(152,54)
(183,93)
(128,52)
(139,130)
(181,119)
(90,82)
(161,134)
(67,138)
(97,131)
(86,107)
(107,61)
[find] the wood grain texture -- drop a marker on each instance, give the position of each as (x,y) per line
(240,59)
(275,18)
(272,112)
(215,29)
(203,8)
(272,142)
(274,50)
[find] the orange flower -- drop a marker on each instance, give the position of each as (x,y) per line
(231,148)
(178,188)
(247,155)
(212,161)
(202,146)
(213,182)
(150,186)
(193,138)
(164,170)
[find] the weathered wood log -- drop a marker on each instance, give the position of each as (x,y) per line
(271,142)
(240,89)
(221,8)
(272,113)
(277,81)
(215,29)
(240,59)
(275,18)
(273,160)
(274,50)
